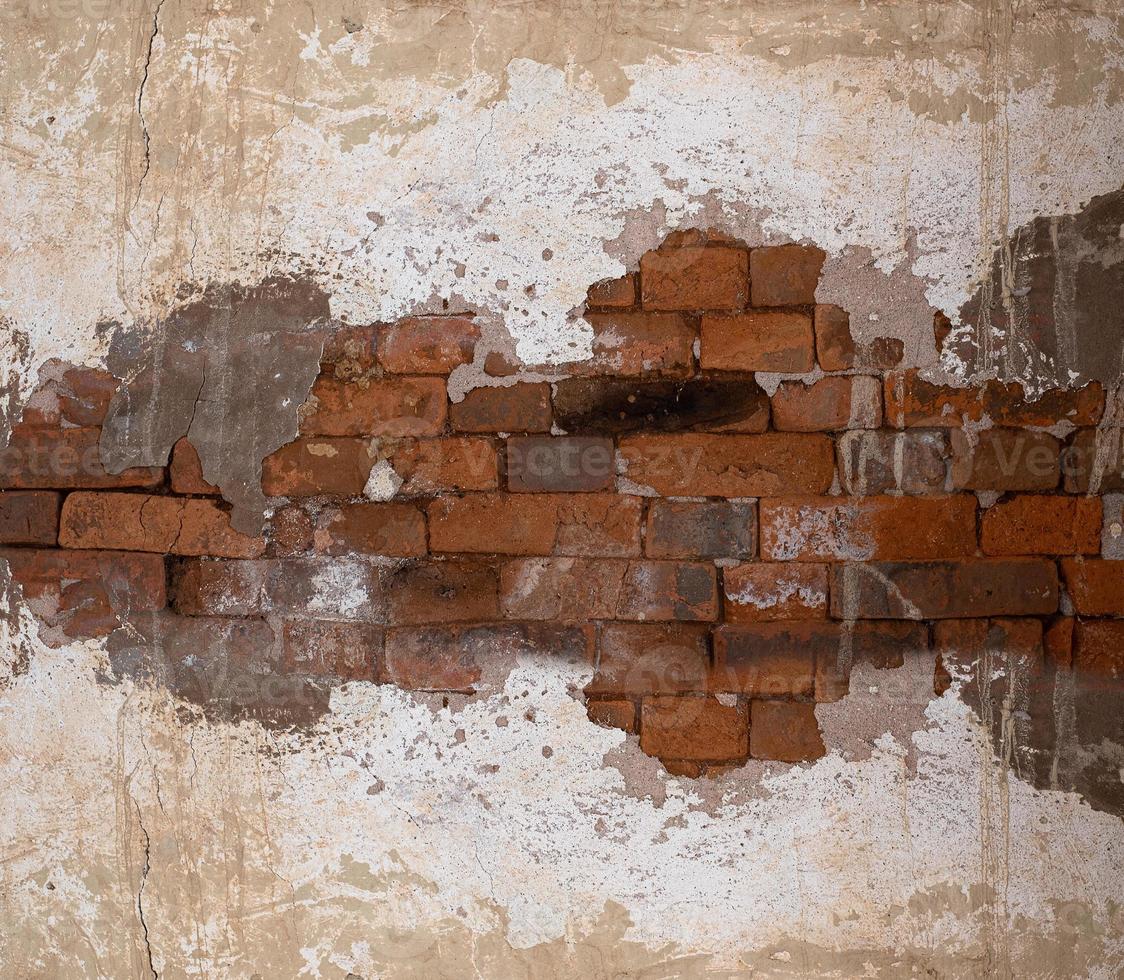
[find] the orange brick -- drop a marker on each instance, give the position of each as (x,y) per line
(309,467)
(695,278)
(46,458)
(652,658)
(1096,586)
(611,713)
(1042,525)
(186,470)
(635,344)
(29,517)
(494,523)
(512,408)
(393,406)
(835,348)
(613,293)
(769,659)
(785,731)
(763,592)
(455,463)
(441,592)
(757,341)
(828,405)
(693,727)
(1005,459)
(427,345)
(785,275)
(393,529)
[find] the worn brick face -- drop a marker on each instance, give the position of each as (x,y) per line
(785,275)
(392,529)
(764,591)
(511,408)
(785,731)
(769,660)
(828,405)
(345,651)
(451,464)
(757,341)
(693,727)
(914,462)
(427,345)
(64,459)
(29,517)
(652,658)
(1005,459)
(1095,586)
(186,470)
(701,529)
(392,406)
(634,345)
(537,464)
(442,592)
(694,278)
(1037,524)
(835,348)
(308,467)
(613,293)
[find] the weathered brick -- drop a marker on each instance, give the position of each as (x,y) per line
(613,293)
(763,592)
(290,532)
(221,588)
(455,464)
(1098,648)
(1006,404)
(309,467)
(598,525)
(85,395)
(1093,461)
(661,590)
(566,589)
(913,462)
(693,727)
(583,405)
(186,470)
(613,713)
(441,592)
(757,341)
(944,590)
(695,278)
(1057,641)
(141,522)
(1042,525)
(392,529)
(391,406)
(998,657)
(64,458)
(698,465)
(768,659)
(652,658)
(835,348)
(494,523)
(1112,530)
(785,275)
(511,408)
(537,464)
(785,731)
(828,405)
(882,645)
(347,651)
(910,400)
(427,345)
(1095,586)
(701,529)
(1005,459)
(350,352)
(864,528)
(29,517)
(634,345)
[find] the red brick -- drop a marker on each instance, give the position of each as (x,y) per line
(494,523)
(769,659)
(661,590)
(442,592)
(1057,641)
(349,352)
(566,589)
(757,341)
(427,345)
(290,532)
(996,656)
(652,658)
(1005,459)
(611,713)
(613,293)
(598,525)
(1006,404)
(912,401)
(635,344)
(1098,648)
(392,406)
(1093,461)
(141,522)
(882,645)
(348,651)
(1042,525)
(186,470)
(85,395)
(221,588)
(452,464)
(763,592)
(512,408)
(864,528)
(695,279)
(64,458)
(581,464)
(785,731)
(693,727)
(785,275)
(828,405)
(309,467)
(944,590)
(701,529)
(29,517)
(500,365)
(1096,586)
(396,530)
(835,348)
(697,465)
(914,461)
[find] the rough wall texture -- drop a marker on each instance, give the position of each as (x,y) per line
(257,251)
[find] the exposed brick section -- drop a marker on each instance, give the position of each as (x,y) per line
(713,278)
(634,345)
(392,406)
(763,592)
(729,465)
(309,467)
(785,731)
(494,523)
(396,530)
(1005,459)
(1098,648)
(142,522)
(865,528)
(882,645)
(44,458)
(657,590)
(347,651)
(1095,587)
(613,293)
(455,463)
(944,590)
(442,592)
(701,529)
(652,658)
(290,532)
(604,525)
(1094,461)
(771,660)
(512,408)
(86,395)
(828,405)
(427,345)
(1042,525)
(537,464)
(613,713)
(29,517)
(185,471)
(914,462)
(835,347)
(785,275)
(694,727)
(758,341)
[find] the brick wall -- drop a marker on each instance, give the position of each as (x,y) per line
(721,558)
